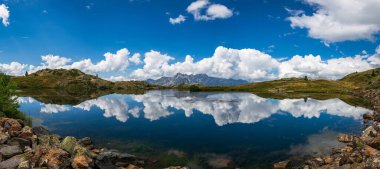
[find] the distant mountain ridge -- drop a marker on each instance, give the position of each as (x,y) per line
(202,79)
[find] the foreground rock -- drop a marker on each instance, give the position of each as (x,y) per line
(360,151)
(22,147)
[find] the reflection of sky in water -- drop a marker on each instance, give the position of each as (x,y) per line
(221,127)
(225,108)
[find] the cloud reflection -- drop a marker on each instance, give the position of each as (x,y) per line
(225,108)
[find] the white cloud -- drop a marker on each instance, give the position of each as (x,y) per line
(247,64)
(135,58)
(178,20)
(14,68)
(338,20)
(205,10)
(52,62)
(117,78)
(315,67)
(4,14)
(375,59)
(111,63)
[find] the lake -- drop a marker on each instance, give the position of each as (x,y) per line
(203,130)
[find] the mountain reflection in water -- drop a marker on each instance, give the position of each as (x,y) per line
(225,108)
(203,130)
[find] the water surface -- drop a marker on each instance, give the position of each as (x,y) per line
(203,130)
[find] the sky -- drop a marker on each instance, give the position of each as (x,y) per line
(141,39)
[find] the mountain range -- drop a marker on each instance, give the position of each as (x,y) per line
(202,79)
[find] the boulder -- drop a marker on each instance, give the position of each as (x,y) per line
(369,151)
(10,124)
(10,151)
(55,158)
(3,137)
(39,130)
(69,144)
(26,132)
(85,141)
(49,141)
(280,165)
(24,165)
(82,162)
(344,138)
(19,141)
(13,162)
(369,132)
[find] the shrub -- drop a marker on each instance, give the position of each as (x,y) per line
(194,88)
(8,100)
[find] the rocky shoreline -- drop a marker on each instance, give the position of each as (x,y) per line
(23,147)
(360,151)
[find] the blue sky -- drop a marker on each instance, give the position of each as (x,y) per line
(88,29)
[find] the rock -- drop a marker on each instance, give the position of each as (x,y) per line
(85,141)
(55,158)
(295,164)
(369,132)
(10,151)
(319,161)
(368,116)
(24,165)
(131,166)
(376,117)
(26,132)
(172,167)
(82,162)
(10,124)
(372,141)
(69,144)
(3,137)
(280,165)
(19,141)
(328,159)
(369,151)
(49,141)
(40,131)
(344,138)
(104,163)
(13,162)
(80,150)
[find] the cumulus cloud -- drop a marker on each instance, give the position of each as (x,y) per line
(315,67)
(205,10)
(248,64)
(178,20)
(14,68)
(337,20)
(112,62)
(52,62)
(4,14)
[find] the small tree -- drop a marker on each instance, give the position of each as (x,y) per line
(26,73)
(306,78)
(8,100)
(373,73)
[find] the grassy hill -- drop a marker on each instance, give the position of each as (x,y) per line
(300,86)
(368,79)
(73,82)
